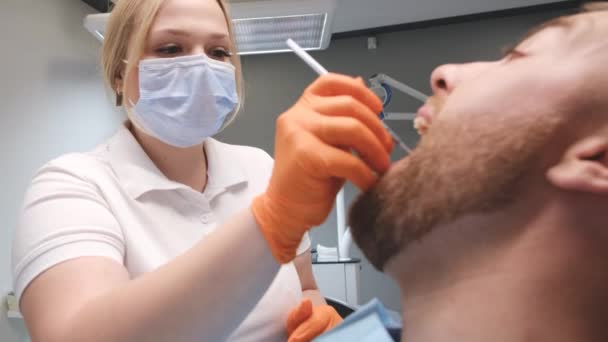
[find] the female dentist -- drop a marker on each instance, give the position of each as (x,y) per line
(165,234)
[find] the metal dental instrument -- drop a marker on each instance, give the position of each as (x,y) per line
(397,139)
(319,69)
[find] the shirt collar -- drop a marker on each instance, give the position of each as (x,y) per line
(223,168)
(139,175)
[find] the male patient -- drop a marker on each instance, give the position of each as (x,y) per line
(496,226)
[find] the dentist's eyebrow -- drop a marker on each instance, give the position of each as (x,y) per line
(179,32)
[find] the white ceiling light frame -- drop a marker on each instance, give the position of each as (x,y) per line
(96,24)
(262,27)
(266,25)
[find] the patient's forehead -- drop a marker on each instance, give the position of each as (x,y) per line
(589,26)
(595,23)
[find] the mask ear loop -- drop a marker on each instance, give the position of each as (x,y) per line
(129,107)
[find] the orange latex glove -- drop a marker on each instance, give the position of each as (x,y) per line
(313,144)
(306,322)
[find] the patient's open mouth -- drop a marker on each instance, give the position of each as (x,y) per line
(424,119)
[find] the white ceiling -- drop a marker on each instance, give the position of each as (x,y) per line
(352,15)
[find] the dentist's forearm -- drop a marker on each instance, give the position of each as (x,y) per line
(202,295)
(315,296)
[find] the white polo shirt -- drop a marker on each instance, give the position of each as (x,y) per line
(114,202)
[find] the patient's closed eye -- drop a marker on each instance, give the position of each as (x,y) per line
(598,156)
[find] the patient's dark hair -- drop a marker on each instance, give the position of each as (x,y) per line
(595,6)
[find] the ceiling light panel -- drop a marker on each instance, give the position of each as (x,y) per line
(265,35)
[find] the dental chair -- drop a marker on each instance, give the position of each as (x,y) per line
(343,309)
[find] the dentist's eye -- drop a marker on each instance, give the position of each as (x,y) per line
(220,54)
(169,50)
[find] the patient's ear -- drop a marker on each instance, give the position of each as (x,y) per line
(584,167)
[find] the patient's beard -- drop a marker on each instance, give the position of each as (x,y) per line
(456,170)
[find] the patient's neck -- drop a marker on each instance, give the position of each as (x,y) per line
(543,281)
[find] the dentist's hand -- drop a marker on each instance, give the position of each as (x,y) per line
(306,322)
(313,158)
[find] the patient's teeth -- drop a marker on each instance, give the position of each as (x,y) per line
(420,125)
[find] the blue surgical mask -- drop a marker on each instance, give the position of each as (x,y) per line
(184,100)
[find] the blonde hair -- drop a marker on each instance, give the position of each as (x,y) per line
(125,39)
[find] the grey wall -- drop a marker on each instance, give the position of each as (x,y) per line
(274,82)
(52,99)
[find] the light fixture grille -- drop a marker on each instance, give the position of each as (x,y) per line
(264,35)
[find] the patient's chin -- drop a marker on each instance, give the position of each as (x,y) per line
(370,228)
(362,220)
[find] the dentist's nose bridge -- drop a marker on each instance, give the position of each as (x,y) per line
(198,49)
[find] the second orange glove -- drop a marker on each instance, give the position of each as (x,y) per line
(336,115)
(306,322)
